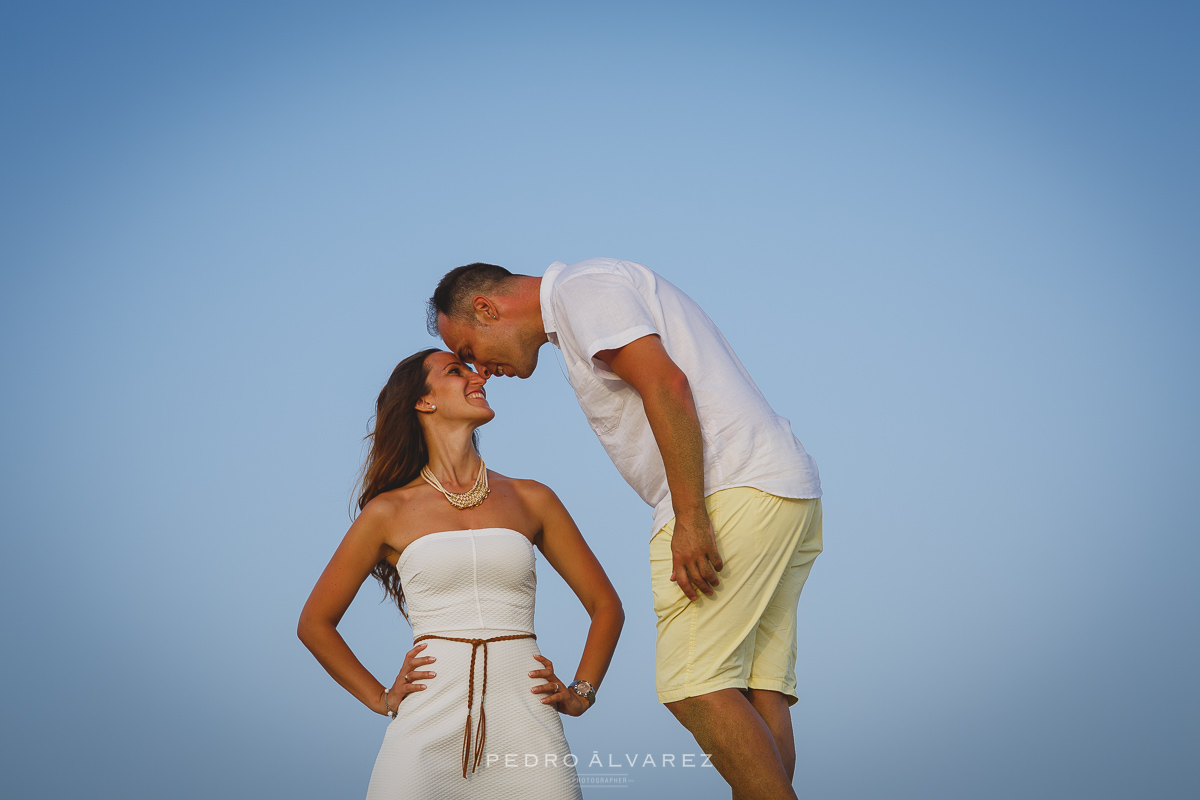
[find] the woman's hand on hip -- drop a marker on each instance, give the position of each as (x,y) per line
(556,692)
(404,685)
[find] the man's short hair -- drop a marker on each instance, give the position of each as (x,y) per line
(458,288)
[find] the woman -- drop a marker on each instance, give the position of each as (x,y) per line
(474,706)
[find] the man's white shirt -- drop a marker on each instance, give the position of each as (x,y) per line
(603,304)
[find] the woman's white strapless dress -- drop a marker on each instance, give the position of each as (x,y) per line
(474,584)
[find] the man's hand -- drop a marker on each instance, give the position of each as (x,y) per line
(694,556)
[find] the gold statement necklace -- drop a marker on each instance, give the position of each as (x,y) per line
(468,499)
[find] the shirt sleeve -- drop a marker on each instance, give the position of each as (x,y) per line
(602,311)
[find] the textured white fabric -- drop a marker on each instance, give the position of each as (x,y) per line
(465,580)
(473,584)
(603,304)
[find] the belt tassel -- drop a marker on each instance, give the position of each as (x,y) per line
(481,727)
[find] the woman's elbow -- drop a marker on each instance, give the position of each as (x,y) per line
(611,607)
(307,627)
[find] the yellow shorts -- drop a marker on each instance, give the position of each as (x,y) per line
(744,636)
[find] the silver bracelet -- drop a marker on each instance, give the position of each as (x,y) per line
(390,713)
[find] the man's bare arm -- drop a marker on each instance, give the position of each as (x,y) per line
(671,410)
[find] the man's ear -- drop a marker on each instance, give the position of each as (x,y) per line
(485,309)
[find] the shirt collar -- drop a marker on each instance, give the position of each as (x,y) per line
(546,300)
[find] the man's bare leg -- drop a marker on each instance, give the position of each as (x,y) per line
(742,745)
(773,708)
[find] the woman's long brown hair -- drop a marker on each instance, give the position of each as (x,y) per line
(398,451)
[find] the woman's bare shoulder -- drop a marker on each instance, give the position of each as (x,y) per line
(532,493)
(389,507)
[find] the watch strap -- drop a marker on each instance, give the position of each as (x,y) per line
(585,690)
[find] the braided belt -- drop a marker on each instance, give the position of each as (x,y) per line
(481,728)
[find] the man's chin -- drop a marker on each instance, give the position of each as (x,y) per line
(533,364)
(522,372)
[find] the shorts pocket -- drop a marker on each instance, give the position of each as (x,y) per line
(664,589)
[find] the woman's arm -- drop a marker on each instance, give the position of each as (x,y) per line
(564,547)
(362,548)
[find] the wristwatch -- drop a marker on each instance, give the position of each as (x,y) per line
(584,690)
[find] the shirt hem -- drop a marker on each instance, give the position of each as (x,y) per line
(790,495)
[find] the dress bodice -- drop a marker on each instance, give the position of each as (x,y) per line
(469,580)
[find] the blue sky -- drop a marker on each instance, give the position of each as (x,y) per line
(955,246)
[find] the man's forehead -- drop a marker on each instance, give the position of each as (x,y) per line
(451,333)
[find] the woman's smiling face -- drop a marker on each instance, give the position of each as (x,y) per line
(455,389)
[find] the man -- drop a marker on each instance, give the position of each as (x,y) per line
(733,490)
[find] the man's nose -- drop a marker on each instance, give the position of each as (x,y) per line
(482,371)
